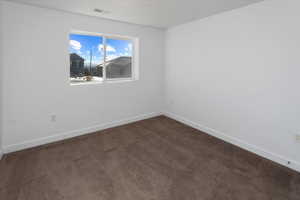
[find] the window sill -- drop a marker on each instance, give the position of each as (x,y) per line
(117,80)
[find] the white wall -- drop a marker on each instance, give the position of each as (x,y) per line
(1,83)
(36,74)
(236,75)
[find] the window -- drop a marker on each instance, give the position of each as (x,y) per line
(98,58)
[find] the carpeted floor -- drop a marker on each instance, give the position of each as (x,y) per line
(154,159)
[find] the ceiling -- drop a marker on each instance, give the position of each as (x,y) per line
(156,13)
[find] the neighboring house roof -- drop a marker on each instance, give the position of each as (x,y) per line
(124,60)
(75,56)
(120,61)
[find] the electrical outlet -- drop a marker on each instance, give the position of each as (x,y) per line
(53,118)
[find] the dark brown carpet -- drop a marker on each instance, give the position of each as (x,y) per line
(154,159)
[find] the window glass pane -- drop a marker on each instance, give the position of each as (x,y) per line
(86,58)
(118,58)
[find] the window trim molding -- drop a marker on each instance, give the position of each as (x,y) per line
(135,57)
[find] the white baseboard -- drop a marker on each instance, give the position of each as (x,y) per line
(252,148)
(1,154)
(58,137)
(74,133)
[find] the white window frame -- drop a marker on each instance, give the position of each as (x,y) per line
(134,63)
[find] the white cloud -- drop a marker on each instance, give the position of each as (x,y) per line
(75,44)
(108,48)
(100,47)
(128,48)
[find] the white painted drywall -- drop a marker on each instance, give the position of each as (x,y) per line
(233,74)
(36,74)
(1,83)
(238,73)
